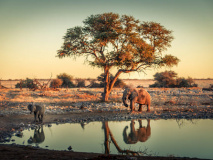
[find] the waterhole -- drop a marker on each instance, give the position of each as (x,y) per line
(182,138)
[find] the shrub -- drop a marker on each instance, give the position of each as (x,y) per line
(66,79)
(118,84)
(169,79)
(56,83)
(94,84)
(182,82)
(28,83)
(165,79)
(80,83)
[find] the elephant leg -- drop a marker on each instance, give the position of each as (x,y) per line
(35,116)
(148,107)
(132,106)
(39,118)
(42,117)
(140,123)
(140,108)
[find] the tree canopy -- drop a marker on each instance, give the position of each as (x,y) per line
(109,41)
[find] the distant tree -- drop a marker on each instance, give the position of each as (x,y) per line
(110,41)
(165,79)
(67,80)
(56,83)
(169,79)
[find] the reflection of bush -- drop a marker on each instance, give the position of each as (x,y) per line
(169,79)
(28,83)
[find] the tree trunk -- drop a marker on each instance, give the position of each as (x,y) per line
(106,135)
(106,84)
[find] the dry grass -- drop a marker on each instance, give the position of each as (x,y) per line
(202,83)
(67,97)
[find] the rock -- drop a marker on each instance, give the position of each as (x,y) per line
(69,148)
(19,134)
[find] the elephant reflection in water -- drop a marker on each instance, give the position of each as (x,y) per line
(38,136)
(142,134)
(108,134)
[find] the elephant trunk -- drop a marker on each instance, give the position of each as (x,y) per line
(125,137)
(125,101)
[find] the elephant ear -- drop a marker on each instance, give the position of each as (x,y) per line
(134,94)
(126,91)
(30,107)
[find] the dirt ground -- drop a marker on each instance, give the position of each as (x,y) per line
(77,105)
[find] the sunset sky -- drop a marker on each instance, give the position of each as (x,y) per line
(31,32)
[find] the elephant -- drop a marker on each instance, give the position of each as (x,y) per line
(38,111)
(142,134)
(136,95)
(38,137)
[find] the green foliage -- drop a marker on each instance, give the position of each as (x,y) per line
(135,45)
(28,83)
(169,79)
(67,80)
(56,83)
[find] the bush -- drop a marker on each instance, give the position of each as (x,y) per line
(28,83)
(182,82)
(169,79)
(94,84)
(118,84)
(56,83)
(67,80)
(80,83)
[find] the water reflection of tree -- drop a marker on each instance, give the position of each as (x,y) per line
(108,134)
(183,122)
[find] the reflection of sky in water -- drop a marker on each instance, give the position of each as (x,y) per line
(185,138)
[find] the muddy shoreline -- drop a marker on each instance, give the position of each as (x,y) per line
(13,124)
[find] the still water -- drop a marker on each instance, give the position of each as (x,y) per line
(183,138)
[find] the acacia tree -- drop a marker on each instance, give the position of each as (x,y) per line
(109,41)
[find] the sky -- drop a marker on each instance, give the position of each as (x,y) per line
(31,32)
